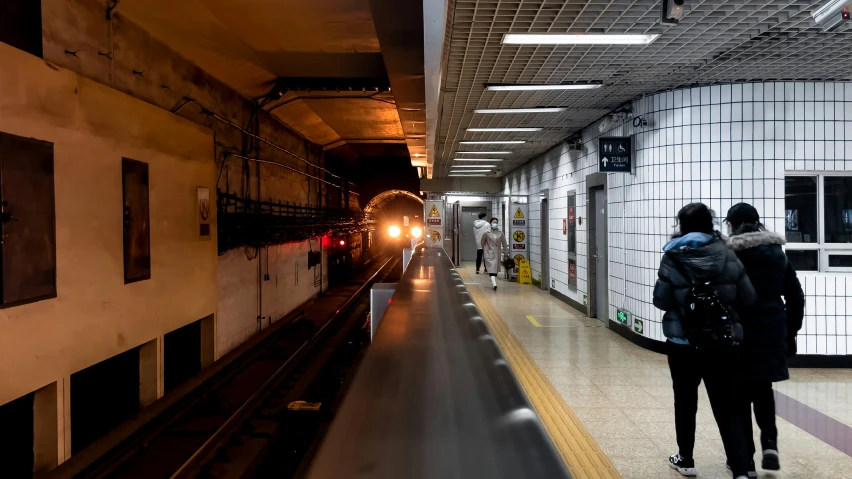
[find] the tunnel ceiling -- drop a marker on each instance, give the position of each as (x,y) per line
(249,43)
(386,197)
(717,41)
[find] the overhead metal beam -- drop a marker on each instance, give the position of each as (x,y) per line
(399,27)
(461,185)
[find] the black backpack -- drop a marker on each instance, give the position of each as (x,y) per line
(707,321)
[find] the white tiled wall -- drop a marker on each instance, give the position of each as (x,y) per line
(719,145)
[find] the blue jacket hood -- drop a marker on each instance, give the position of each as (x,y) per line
(692,240)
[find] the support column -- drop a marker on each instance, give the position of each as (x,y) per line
(150,388)
(208,340)
(46,429)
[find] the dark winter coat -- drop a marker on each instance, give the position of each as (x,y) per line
(707,260)
(770,327)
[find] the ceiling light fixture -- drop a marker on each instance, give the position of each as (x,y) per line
(483,152)
(541,87)
(477,159)
(474,166)
(521,110)
(495,130)
(576,39)
(471,171)
(511,142)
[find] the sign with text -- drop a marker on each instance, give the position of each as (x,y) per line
(434,234)
(615,154)
(203,195)
(517,233)
(524,272)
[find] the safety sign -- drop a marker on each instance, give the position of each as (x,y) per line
(519,227)
(434,223)
(524,273)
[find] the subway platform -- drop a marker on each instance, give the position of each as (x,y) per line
(607,403)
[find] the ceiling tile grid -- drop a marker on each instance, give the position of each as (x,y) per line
(717,41)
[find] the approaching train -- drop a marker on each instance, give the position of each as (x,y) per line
(410,228)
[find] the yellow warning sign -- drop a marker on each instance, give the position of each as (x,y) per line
(524,273)
(435,236)
(433,213)
(518,236)
(519,213)
(518,258)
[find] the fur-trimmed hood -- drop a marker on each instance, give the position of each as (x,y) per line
(751,240)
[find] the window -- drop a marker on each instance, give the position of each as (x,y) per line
(137,236)
(818,221)
(20,25)
(27,221)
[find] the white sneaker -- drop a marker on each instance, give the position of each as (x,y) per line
(494,282)
(684,466)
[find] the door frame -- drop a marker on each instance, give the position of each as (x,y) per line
(544,201)
(471,204)
(595,181)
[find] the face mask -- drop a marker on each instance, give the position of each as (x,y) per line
(494,226)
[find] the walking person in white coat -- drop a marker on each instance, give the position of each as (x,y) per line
(494,247)
(480,227)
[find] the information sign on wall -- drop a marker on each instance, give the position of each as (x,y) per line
(203,198)
(615,154)
(434,234)
(517,236)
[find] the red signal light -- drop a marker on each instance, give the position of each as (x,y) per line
(342,243)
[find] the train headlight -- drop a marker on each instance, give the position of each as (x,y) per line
(416,232)
(394,231)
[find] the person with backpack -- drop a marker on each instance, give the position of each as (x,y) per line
(770,325)
(700,284)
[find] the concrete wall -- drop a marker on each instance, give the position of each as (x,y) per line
(95,315)
(289,285)
(719,145)
(109,52)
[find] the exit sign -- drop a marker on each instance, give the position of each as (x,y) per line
(624,317)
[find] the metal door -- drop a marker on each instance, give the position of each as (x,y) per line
(468,243)
(545,245)
(601,274)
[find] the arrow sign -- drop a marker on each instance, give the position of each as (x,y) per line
(615,154)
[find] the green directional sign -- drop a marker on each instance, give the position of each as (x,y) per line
(624,317)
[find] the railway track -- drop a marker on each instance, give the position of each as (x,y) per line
(226,427)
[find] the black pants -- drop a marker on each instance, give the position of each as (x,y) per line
(479,260)
(719,369)
(762,397)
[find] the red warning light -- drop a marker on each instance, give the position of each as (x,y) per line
(342,243)
(845,15)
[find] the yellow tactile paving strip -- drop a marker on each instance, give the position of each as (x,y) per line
(582,455)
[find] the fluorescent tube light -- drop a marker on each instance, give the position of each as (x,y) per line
(576,39)
(477,159)
(520,110)
(511,142)
(471,171)
(574,86)
(483,152)
(495,130)
(474,166)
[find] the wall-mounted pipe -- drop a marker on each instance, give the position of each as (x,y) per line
(257,137)
(268,162)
